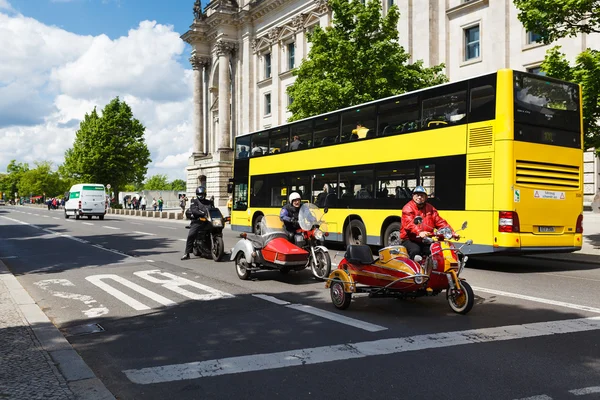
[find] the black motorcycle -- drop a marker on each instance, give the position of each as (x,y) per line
(209,241)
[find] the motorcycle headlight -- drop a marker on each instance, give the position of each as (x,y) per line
(418,280)
(318,234)
(217,223)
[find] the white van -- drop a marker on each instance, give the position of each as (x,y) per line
(86,199)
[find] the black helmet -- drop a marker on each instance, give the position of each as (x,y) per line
(201,193)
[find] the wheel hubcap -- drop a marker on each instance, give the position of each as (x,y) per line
(337,293)
(394,238)
(459,298)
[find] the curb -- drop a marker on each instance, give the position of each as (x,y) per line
(79,377)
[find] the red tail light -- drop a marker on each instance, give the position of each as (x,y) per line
(579,225)
(508,221)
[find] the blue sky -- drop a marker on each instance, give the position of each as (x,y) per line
(62,58)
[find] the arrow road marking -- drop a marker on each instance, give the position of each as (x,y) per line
(347,351)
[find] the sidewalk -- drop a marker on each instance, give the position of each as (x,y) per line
(36,361)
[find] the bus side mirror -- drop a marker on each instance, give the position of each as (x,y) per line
(325,210)
(230,188)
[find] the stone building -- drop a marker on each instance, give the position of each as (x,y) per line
(243,54)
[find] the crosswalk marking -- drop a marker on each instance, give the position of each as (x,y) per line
(584,391)
(144,233)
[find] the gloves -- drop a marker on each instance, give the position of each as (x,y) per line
(202,214)
(456,236)
(294,221)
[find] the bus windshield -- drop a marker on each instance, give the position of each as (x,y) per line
(544,103)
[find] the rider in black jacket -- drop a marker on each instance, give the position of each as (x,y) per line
(199,208)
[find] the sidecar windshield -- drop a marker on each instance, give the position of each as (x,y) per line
(270,224)
(311,215)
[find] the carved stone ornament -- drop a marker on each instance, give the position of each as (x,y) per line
(254,44)
(197,10)
(322,6)
(199,62)
(297,22)
(273,34)
(222,47)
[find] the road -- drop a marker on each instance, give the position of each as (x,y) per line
(152,326)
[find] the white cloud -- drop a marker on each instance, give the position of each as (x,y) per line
(50,78)
(5,5)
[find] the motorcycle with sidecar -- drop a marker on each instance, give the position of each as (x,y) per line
(394,274)
(275,249)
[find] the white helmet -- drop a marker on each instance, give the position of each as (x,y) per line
(294,196)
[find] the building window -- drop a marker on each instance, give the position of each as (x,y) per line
(267,104)
(533,37)
(390,3)
(291,48)
(267,65)
(472,43)
(536,70)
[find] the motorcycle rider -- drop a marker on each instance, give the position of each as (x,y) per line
(199,208)
(289,213)
(412,235)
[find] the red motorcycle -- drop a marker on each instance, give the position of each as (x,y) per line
(394,274)
(274,249)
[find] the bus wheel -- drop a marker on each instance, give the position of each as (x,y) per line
(391,237)
(356,233)
(256,225)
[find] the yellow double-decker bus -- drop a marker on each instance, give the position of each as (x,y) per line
(502,151)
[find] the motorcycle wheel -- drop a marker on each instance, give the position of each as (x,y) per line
(321,267)
(241,266)
(340,299)
(217,248)
(196,249)
(461,301)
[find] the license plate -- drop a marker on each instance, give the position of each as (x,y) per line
(546,229)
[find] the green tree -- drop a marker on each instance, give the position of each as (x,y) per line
(109,148)
(10,182)
(42,179)
(157,182)
(555,19)
(586,72)
(178,184)
(357,59)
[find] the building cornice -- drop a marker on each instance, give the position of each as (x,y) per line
(467,7)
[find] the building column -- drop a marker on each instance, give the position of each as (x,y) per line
(224,50)
(198,64)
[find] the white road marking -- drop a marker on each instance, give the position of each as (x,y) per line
(175,283)
(91,312)
(167,227)
(539,397)
(324,314)
(346,351)
(538,300)
(271,299)
(109,227)
(149,260)
(87,223)
(136,223)
(46,216)
(338,318)
(55,218)
(183,240)
(584,391)
(130,301)
(145,233)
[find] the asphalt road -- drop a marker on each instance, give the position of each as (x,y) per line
(192,330)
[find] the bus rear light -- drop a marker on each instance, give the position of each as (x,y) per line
(579,225)
(80,204)
(508,221)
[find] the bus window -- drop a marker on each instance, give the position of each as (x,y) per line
(301,135)
(258,192)
(394,186)
(427,178)
(359,123)
(300,183)
(279,140)
(324,189)
(279,191)
(260,144)
(242,147)
(399,116)
(483,98)
(327,130)
(240,196)
(443,108)
(357,188)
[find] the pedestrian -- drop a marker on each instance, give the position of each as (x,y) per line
(143,203)
(182,204)
(160,203)
(229,206)
(154,203)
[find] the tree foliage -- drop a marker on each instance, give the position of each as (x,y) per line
(109,148)
(9,184)
(586,72)
(42,179)
(357,59)
(178,184)
(157,182)
(555,19)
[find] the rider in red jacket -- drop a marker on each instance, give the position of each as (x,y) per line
(412,235)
